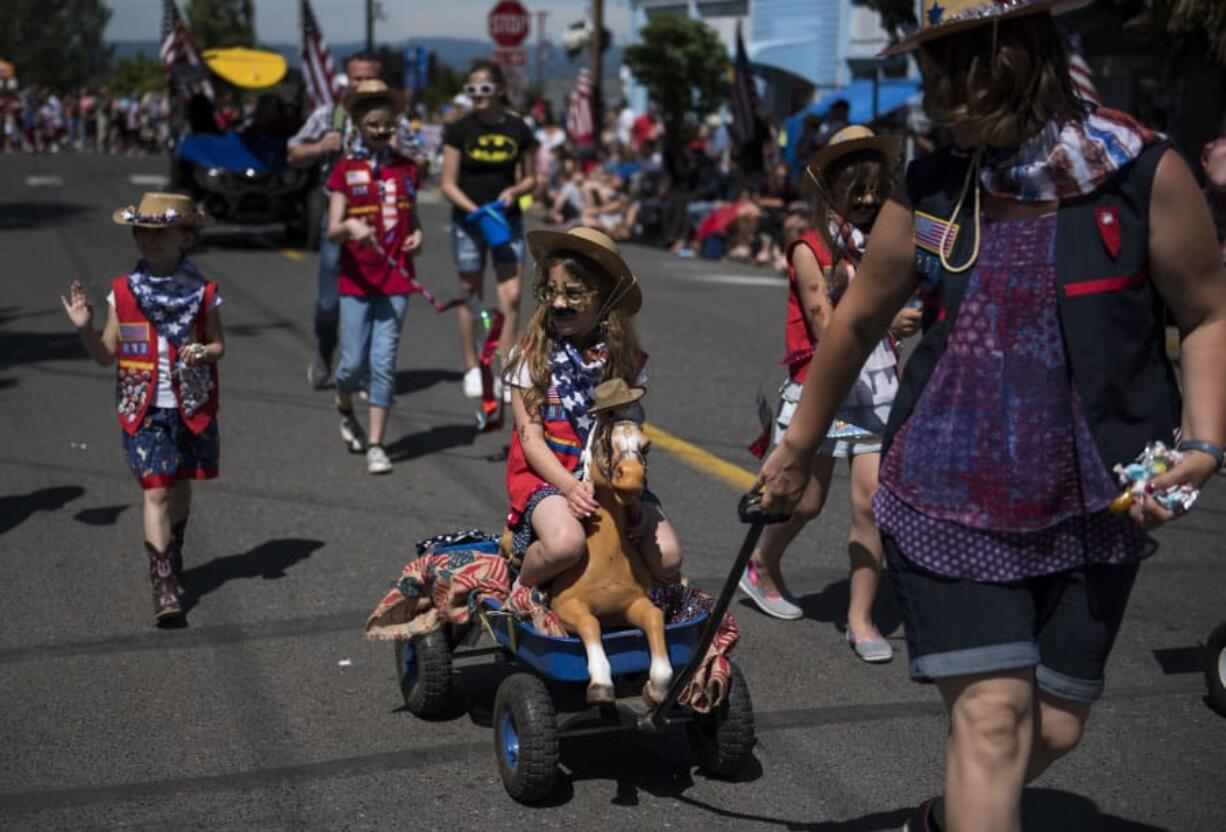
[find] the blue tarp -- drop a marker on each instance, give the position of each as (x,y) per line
(891,94)
(234,152)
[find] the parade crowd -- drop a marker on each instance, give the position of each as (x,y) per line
(981,472)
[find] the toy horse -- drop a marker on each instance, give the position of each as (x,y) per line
(609,585)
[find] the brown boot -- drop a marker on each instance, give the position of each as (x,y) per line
(167,611)
(178,532)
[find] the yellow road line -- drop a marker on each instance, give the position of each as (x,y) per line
(704,461)
(293,254)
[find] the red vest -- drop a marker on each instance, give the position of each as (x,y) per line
(799,336)
(137,380)
(382,201)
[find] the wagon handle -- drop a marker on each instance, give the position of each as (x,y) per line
(749,509)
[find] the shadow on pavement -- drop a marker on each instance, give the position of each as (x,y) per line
(410,381)
(830,605)
(17,348)
(15,215)
(1048,810)
(16,509)
(434,440)
(269,561)
(101,516)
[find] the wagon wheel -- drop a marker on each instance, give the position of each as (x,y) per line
(1215,669)
(724,739)
(423,666)
(526,737)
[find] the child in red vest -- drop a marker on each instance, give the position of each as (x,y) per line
(164,329)
(852,177)
(371,215)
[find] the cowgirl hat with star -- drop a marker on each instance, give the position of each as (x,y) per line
(947,17)
(161,211)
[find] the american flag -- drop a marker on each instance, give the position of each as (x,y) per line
(178,46)
(317,69)
(1079,70)
(580,123)
(744,104)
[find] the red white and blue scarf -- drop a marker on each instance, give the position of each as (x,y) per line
(1068,160)
(575,374)
(170,303)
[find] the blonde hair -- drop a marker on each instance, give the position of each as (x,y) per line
(625,357)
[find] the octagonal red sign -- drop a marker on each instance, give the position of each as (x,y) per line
(509,24)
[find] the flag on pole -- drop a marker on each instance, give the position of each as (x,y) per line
(580,121)
(178,47)
(1079,70)
(744,105)
(317,69)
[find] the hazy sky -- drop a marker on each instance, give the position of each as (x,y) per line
(344,20)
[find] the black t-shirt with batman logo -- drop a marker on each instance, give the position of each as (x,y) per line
(489,154)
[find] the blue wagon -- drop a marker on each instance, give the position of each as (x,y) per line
(540,701)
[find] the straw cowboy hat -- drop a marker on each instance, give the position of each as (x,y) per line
(160,211)
(947,17)
(853,139)
(615,393)
(597,246)
(372,90)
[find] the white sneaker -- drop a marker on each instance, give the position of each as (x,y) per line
(472,383)
(377,461)
(774,605)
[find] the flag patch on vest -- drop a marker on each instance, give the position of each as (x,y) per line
(930,229)
(357,177)
(134,339)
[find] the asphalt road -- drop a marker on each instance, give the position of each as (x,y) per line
(271,712)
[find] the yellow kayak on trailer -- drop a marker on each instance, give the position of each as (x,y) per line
(251,69)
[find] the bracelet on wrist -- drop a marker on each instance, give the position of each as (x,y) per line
(1204,447)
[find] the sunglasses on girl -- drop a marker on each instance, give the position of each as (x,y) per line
(483,90)
(573,297)
(380,131)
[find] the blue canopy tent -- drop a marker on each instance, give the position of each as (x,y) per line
(892,93)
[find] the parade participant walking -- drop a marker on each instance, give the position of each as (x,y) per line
(487,161)
(163,327)
(581,334)
(1048,243)
(323,138)
(371,217)
(851,178)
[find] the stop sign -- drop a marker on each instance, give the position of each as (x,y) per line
(509,24)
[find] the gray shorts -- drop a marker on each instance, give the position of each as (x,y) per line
(468,246)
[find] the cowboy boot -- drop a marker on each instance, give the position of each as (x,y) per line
(166,607)
(178,531)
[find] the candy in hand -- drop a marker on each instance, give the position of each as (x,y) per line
(1154,461)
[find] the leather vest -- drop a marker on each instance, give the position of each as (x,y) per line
(1112,319)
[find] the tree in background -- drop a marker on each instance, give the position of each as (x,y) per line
(57,43)
(685,69)
(896,15)
(1178,31)
(138,74)
(443,82)
(221,23)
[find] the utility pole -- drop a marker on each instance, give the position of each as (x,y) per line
(597,45)
(540,51)
(370,26)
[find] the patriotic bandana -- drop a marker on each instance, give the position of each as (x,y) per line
(1066,161)
(170,303)
(575,380)
(849,240)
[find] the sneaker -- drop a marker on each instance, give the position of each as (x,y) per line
(924,820)
(871,650)
(771,603)
(317,373)
(377,461)
(472,383)
(351,433)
